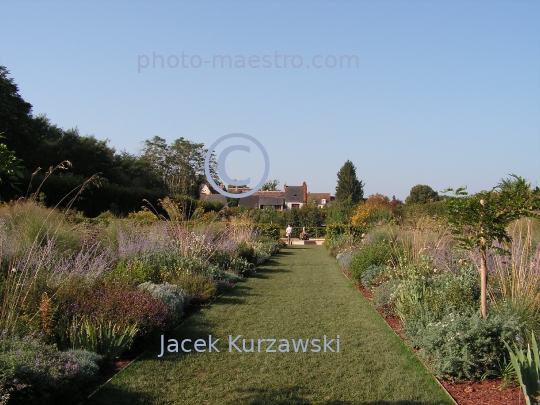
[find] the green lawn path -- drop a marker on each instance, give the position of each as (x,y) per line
(299,293)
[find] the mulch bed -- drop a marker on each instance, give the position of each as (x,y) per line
(468,392)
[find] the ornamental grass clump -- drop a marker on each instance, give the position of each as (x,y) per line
(527,368)
(516,277)
(108,339)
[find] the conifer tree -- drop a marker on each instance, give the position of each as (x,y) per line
(349,190)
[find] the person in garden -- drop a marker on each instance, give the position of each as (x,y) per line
(288,231)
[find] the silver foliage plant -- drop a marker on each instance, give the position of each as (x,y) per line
(169,294)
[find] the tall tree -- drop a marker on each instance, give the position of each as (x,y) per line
(422,194)
(10,166)
(349,190)
(15,117)
(179,165)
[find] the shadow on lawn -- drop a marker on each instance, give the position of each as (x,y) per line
(109,395)
(299,395)
(283,396)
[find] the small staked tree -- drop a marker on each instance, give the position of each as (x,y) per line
(481,220)
(349,190)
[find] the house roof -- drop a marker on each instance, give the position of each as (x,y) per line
(238,190)
(214,197)
(271,200)
(294,194)
(251,201)
(270,193)
(319,196)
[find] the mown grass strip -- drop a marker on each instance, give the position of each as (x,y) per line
(298,294)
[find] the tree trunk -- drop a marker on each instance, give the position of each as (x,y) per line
(483,285)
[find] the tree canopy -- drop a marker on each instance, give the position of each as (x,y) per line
(422,194)
(270,185)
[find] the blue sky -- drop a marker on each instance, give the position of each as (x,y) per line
(446,93)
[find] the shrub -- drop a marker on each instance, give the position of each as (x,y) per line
(246,252)
(262,251)
(384,297)
(231,277)
(125,305)
(333,230)
(240,265)
(373,276)
(210,206)
(372,254)
(423,289)
(269,231)
(32,372)
(199,286)
(463,346)
(222,286)
(169,294)
(410,213)
(344,258)
(458,289)
(143,217)
(156,267)
(135,270)
(228,260)
(340,243)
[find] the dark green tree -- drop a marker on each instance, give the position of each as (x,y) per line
(293,217)
(349,190)
(422,194)
(15,118)
(10,167)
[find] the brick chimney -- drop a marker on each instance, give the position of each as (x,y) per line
(284,186)
(305,192)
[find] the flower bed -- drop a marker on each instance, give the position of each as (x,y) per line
(105,289)
(428,292)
